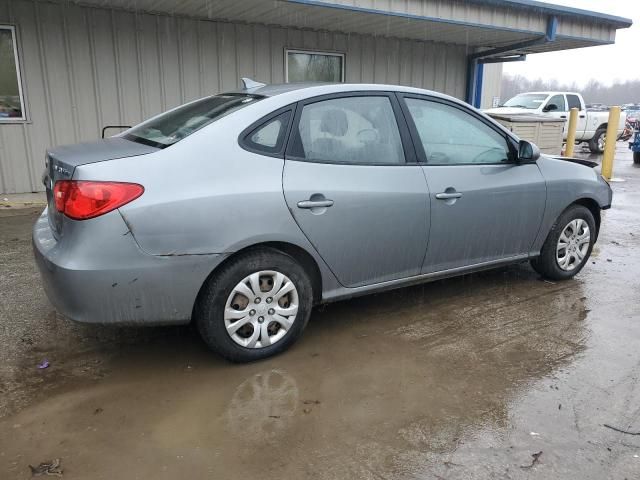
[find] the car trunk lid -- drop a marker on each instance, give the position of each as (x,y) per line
(61,162)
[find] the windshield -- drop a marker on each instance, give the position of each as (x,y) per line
(526,100)
(173,126)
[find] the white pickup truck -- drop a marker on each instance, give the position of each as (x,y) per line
(592,126)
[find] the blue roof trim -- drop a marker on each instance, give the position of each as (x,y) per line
(595,41)
(320,3)
(547,7)
(553,9)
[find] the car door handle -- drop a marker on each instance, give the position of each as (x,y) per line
(447,196)
(563,116)
(315,203)
(582,116)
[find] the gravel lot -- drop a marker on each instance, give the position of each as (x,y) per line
(463,378)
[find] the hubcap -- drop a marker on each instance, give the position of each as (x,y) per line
(601,141)
(261,309)
(573,244)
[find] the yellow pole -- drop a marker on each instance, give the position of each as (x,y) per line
(571,132)
(610,142)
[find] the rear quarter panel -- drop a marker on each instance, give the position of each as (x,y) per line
(206,194)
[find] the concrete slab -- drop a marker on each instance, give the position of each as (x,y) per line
(22,200)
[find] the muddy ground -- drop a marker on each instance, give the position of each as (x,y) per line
(463,378)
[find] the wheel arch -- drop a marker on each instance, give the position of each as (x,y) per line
(593,206)
(304,258)
(601,127)
(298,253)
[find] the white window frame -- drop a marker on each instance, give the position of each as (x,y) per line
(287,51)
(16,57)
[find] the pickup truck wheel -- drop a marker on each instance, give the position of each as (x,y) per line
(636,158)
(568,245)
(596,144)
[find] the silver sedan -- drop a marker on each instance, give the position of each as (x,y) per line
(241,211)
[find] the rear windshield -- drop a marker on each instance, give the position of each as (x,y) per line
(173,126)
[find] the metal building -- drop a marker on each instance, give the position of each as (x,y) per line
(68,68)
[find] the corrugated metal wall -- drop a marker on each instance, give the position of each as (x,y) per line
(499,15)
(84,68)
(457,10)
(491,84)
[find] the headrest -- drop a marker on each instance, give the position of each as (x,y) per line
(335,122)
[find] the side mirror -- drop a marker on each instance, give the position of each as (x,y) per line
(552,107)
(527,152)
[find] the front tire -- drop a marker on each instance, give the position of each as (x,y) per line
(256,306)
(568,245)
(596,144)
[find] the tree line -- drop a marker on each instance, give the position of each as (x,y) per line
(618,93)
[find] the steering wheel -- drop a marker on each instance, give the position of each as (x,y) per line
(491,153)
(438,158)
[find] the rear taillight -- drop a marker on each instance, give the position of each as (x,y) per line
(80,199)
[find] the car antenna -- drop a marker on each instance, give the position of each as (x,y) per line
(249,84)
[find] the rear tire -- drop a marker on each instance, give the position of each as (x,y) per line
(636,158)
(550,264)
(594,144)
(220,302)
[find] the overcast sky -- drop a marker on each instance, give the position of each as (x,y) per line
(605,63)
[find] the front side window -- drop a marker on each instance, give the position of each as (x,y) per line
(174,125)
(355,130)
(558,101)
(304,66)
(11,101)
(450,135)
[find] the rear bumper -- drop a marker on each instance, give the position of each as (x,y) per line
(96,273)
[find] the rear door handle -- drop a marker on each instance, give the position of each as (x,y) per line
(315,203)
(447,196)
(563,116)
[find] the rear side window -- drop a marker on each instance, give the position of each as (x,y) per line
(354,130)
(174,125)
(269,136)
(574,102)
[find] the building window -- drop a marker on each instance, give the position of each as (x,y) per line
(304,66)
(11,100)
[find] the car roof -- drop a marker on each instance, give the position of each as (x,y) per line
(286,93)
(314,89)
(551,92)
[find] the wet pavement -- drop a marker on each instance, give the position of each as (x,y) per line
(462,378)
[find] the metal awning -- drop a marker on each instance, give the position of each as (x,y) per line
(492,31)
(476,24)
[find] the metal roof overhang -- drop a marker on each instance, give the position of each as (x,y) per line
(394,22)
